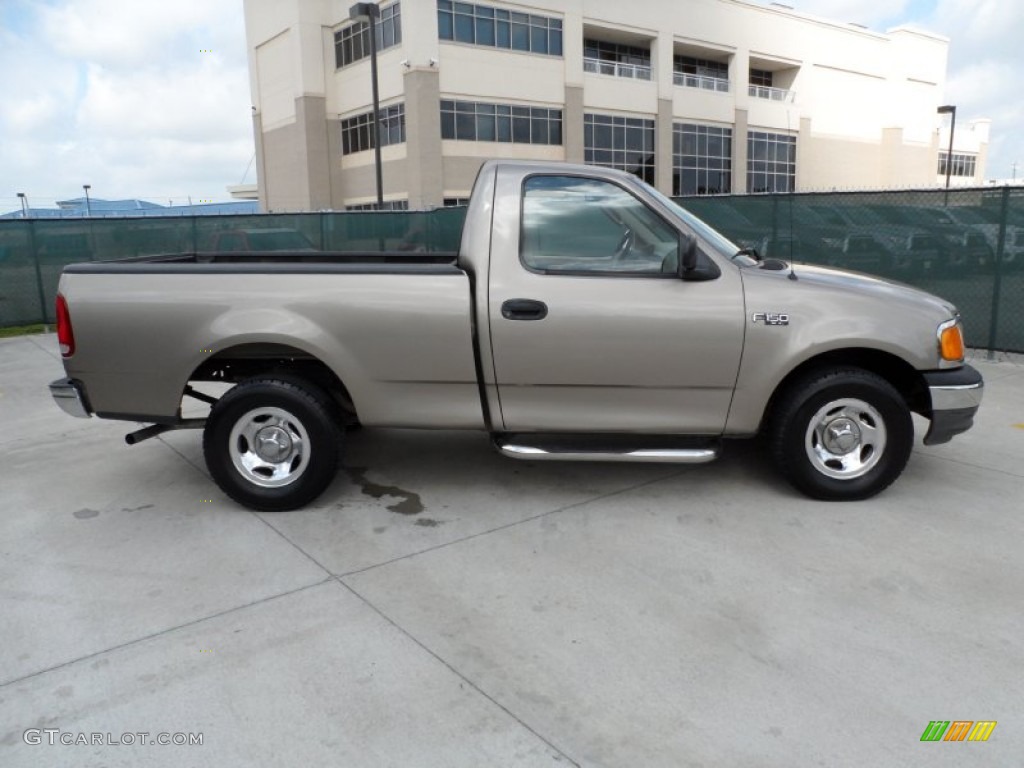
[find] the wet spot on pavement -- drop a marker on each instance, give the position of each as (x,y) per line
(409,503)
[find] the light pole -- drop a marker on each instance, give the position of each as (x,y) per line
(949,109)
(24,205)
(88,208)
(369,12)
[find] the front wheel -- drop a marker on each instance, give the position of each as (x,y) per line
(841,434)
(272,444)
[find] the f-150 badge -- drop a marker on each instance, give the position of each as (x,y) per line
(770,318)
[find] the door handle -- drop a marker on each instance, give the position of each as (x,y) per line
(524,309)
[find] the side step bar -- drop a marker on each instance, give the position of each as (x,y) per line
(632,448)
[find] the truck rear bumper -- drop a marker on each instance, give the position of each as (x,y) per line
(70,396)
(955,397)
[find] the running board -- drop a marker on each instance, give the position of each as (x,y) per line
(631,448)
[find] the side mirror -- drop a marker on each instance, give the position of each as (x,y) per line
(688,257)
(691,267)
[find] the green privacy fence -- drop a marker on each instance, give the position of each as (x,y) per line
(34,251)
(966,245)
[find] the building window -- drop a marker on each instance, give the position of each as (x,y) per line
(456,202)
(498,28)
(701,159)
(963,165)
(357,132)
(626,143)
(472,121)
(771,162)
(615,59)
(700,73)
(387,205)
(353,42)
(762,86)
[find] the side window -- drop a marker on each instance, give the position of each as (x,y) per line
(573,224)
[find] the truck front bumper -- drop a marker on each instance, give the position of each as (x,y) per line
(70,396)
(955,397)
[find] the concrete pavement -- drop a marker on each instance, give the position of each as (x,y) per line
(443,606)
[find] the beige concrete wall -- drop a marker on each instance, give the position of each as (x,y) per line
(739,152)
(460,173)
(312,130)
(863,102)
(294,160)
(852,164)
(572,122)
(282,182)
(423,137)
(359,184)
(261,168)
(663,147)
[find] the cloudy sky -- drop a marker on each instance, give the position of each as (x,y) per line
(123,95)
(150,99)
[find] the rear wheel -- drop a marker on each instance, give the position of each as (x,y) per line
(841,434)
(272,444)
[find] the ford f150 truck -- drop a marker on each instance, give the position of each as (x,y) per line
(585,317)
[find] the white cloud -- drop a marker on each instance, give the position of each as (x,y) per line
(139,99)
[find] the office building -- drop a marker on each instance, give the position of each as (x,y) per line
(696,96)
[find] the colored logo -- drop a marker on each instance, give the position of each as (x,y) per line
(958,730)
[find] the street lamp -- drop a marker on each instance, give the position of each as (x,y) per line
(949,109)
(88,208)
(369,12)
(24,205)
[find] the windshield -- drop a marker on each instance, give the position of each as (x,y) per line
(716,239)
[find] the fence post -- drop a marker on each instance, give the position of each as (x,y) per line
(39,271)
(774,242)
(997,282)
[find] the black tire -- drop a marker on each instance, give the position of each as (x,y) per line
(841,434)
(299,445)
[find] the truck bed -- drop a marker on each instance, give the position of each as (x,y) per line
(395,327)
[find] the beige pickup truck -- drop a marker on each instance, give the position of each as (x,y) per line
(585,317)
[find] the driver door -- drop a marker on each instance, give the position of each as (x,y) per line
(592,329)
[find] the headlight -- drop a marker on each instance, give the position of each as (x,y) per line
(951,341)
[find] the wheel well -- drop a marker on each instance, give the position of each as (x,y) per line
(898,372)
(244,361)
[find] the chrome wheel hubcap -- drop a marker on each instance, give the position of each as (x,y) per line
(269,447)
(845,439)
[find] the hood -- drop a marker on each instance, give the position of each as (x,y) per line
(869,285)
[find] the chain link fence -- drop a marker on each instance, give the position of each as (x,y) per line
(966,245)
(34,251)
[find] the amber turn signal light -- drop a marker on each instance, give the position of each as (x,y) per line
(951,343)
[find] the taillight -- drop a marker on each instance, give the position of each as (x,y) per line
(65,336)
